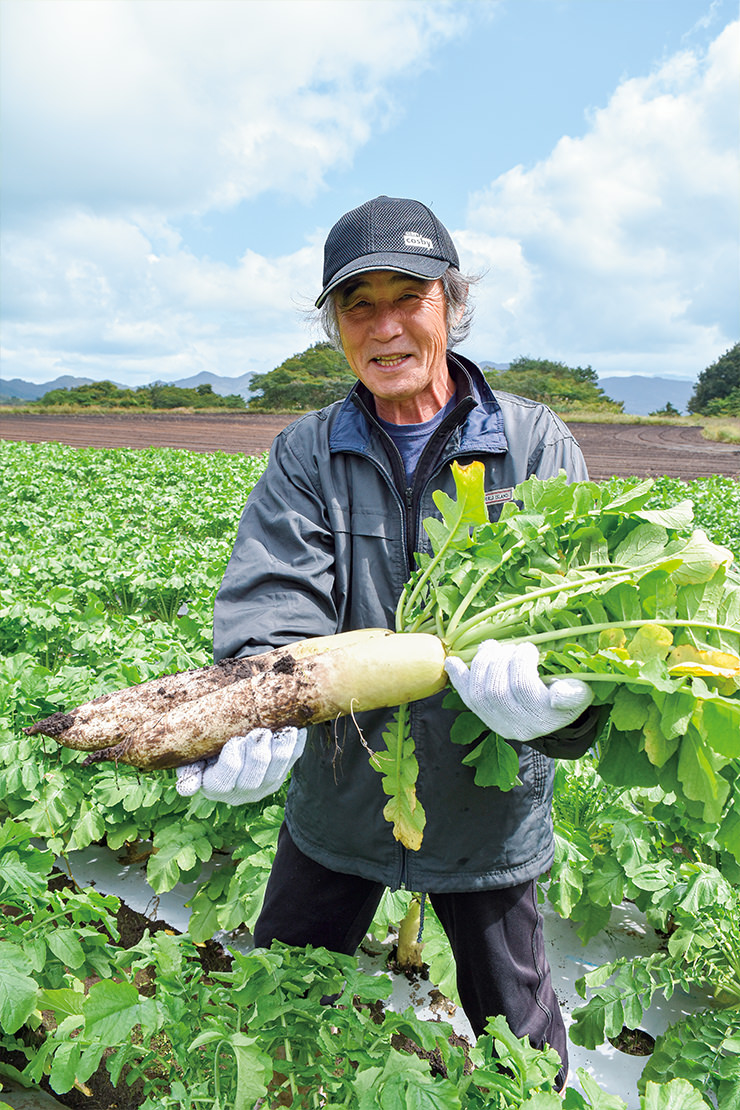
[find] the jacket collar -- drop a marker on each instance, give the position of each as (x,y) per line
(478,421)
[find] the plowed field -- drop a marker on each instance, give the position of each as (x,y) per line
(626,450)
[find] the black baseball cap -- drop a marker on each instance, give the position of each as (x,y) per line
(388,233)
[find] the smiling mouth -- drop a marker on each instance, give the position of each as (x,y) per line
(387,362)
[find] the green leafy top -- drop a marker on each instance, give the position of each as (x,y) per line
(627,598)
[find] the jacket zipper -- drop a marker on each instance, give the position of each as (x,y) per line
(410,499)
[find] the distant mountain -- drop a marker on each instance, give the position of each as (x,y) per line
(18,389)
(31,391)
(643,395)
(222,386)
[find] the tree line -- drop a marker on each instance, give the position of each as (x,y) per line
(320,375)
(158,395)
(717,391)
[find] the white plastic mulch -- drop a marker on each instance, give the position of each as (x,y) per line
(627,935)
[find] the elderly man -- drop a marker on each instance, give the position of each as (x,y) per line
(325,544)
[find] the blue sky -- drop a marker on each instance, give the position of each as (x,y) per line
(172,167)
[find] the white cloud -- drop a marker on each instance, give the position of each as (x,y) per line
(121,116)
(96,297)
(621,247)
(181,106)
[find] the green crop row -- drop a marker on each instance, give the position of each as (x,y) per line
(109,564)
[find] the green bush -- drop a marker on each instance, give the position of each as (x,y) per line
(310,380)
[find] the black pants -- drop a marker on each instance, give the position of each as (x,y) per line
(496,938)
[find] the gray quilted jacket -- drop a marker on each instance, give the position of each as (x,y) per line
(325,544)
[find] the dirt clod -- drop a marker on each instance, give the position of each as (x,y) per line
(52,726)
(284,665)
(634,1042)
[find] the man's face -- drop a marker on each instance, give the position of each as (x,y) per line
(393,329)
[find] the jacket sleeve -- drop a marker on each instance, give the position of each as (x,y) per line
(279,584)
(575,740)
(557,450)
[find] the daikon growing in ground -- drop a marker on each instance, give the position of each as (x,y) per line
(631,600)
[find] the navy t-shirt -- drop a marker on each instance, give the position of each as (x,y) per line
(410,439)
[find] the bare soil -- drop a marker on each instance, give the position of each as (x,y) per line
(650,450)
(625,450)
(634,1042)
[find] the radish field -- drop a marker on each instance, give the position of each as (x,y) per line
(109,565)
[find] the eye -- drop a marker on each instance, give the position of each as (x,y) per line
(353,306)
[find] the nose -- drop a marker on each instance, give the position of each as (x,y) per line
(386,321)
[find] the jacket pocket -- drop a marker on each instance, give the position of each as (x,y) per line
(538,771)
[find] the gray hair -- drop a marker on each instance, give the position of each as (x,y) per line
(456,288)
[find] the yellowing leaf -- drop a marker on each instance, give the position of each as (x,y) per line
(399,767)
(469,508)
(407,815)
(685,656)
(470,491)
(652,641)
(702,668)
(613,638)
(722,666)
(701,559)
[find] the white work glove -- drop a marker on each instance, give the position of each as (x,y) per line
(247,768)
(504,689)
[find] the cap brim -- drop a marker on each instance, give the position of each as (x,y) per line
(414,264)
